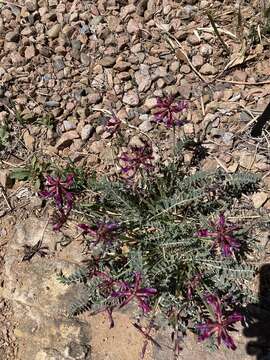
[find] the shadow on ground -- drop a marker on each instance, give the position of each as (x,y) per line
(258,316)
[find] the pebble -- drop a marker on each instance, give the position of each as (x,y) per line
(30,52)
(259,199)
(52,103)
(31,5)
(143,78)
(131,98)
(12,36)
(133,26)
(185,69)
(193,40)
(108,61)
(85,59)
(146,126)
(122,65)
(197,60)
(58,64)
(208,69)
(29,140)
(66,139)
(69,125)
(54,31)
(150,103)
(5,180)
(206,50)
(86,132)
(94,98)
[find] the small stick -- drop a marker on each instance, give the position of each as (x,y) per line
(5,198)
(252,83)
(212,21)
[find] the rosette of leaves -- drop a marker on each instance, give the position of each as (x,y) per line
(174,246)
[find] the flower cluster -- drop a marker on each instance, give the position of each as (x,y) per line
(123,291)
(128,292)
(222,235)
(60,191)
(167,110)
(135,158)
(220,324)
(112,124)
(102,232)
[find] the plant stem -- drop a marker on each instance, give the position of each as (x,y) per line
(212,21)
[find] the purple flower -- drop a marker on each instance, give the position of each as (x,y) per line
(103,232)
(113,124)
(134,291)
(59,190)
(135,158)
(222,235)
(220,325)
(168,108)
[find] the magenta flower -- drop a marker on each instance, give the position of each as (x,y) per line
(220,325)
(222,235)
(59,190)
(168,108)
(134,291)
(136,158)
(103,232)
(112,125)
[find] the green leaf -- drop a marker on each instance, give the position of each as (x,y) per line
(20,174)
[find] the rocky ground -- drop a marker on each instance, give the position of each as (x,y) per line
(66,66)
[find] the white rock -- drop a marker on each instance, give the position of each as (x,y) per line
(259,199)
(86,132)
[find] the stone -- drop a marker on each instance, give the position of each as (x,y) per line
(52,103)
(58,63)
(131,98)
(133,26)
(69,125)
(193,40)
(150,103)
(85,59)
(97,147)
(31,5)
(29,140)
(54,31)
(12,36)
(185,69)
(136,141)
(143,78)
(206,50)
(208,69)
(259,199)
(5,179)
(108,61)
(246,159)
(86,132)
(227,138)
(122,65)
(197,60)
(94,98)
(66,139)
(30,52)
(146,126)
